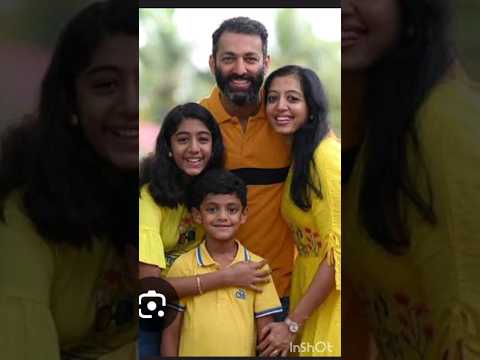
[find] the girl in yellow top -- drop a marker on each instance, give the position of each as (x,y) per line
(189,143)
(68,199)
(411,126)
(296,107)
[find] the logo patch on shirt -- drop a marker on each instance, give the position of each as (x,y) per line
(240,294)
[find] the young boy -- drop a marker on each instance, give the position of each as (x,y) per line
(222,322)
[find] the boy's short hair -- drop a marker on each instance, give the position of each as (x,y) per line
(218,182)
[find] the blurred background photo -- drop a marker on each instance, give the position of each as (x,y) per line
(28,32)
(175,45)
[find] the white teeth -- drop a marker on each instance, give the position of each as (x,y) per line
(240,83)
(193,161)
(128,133)
(283,119)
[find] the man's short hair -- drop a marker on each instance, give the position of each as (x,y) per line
(217,182)
(241,25)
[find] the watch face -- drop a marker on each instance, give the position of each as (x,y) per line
(293,327)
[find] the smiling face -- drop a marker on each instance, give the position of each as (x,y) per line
(286,107)
(221,215)
(239,67)
(369,30)
(107,101)
(191,146)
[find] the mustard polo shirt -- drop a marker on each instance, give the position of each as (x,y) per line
(221,322)
(261,157)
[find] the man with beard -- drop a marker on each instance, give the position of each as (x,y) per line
(255,152)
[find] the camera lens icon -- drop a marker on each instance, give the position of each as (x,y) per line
(151,299)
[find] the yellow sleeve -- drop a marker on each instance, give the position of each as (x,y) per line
(448,255)
(27,326)
(267,302)
(327,211)
(150,240)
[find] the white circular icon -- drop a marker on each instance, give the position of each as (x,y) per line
(151,305)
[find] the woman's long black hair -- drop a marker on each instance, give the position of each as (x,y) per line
(307,137)
(398,84)
(167,183)
(70,194)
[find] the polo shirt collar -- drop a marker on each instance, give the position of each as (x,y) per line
(203,258)
(220,114)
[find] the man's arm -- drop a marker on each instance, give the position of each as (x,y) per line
(171,337)
(261,322)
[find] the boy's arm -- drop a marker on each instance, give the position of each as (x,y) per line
(171,337)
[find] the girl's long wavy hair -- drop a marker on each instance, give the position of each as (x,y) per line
(167,183)
(70,194)
(307,137)
(398,84)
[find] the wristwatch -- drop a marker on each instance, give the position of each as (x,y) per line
(293,327)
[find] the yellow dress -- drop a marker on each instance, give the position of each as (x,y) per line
(317,236)
(59,301)
(425,304)
(164,233)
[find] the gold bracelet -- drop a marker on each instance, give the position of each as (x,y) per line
(199,286)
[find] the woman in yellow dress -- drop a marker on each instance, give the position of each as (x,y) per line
(296,107)
(410,121)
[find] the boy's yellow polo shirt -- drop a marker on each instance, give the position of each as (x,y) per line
(221,322)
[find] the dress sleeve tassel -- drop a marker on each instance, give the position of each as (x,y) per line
(334,256)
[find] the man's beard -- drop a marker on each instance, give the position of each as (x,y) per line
(240,97)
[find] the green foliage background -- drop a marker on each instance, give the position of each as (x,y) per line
(168,77)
